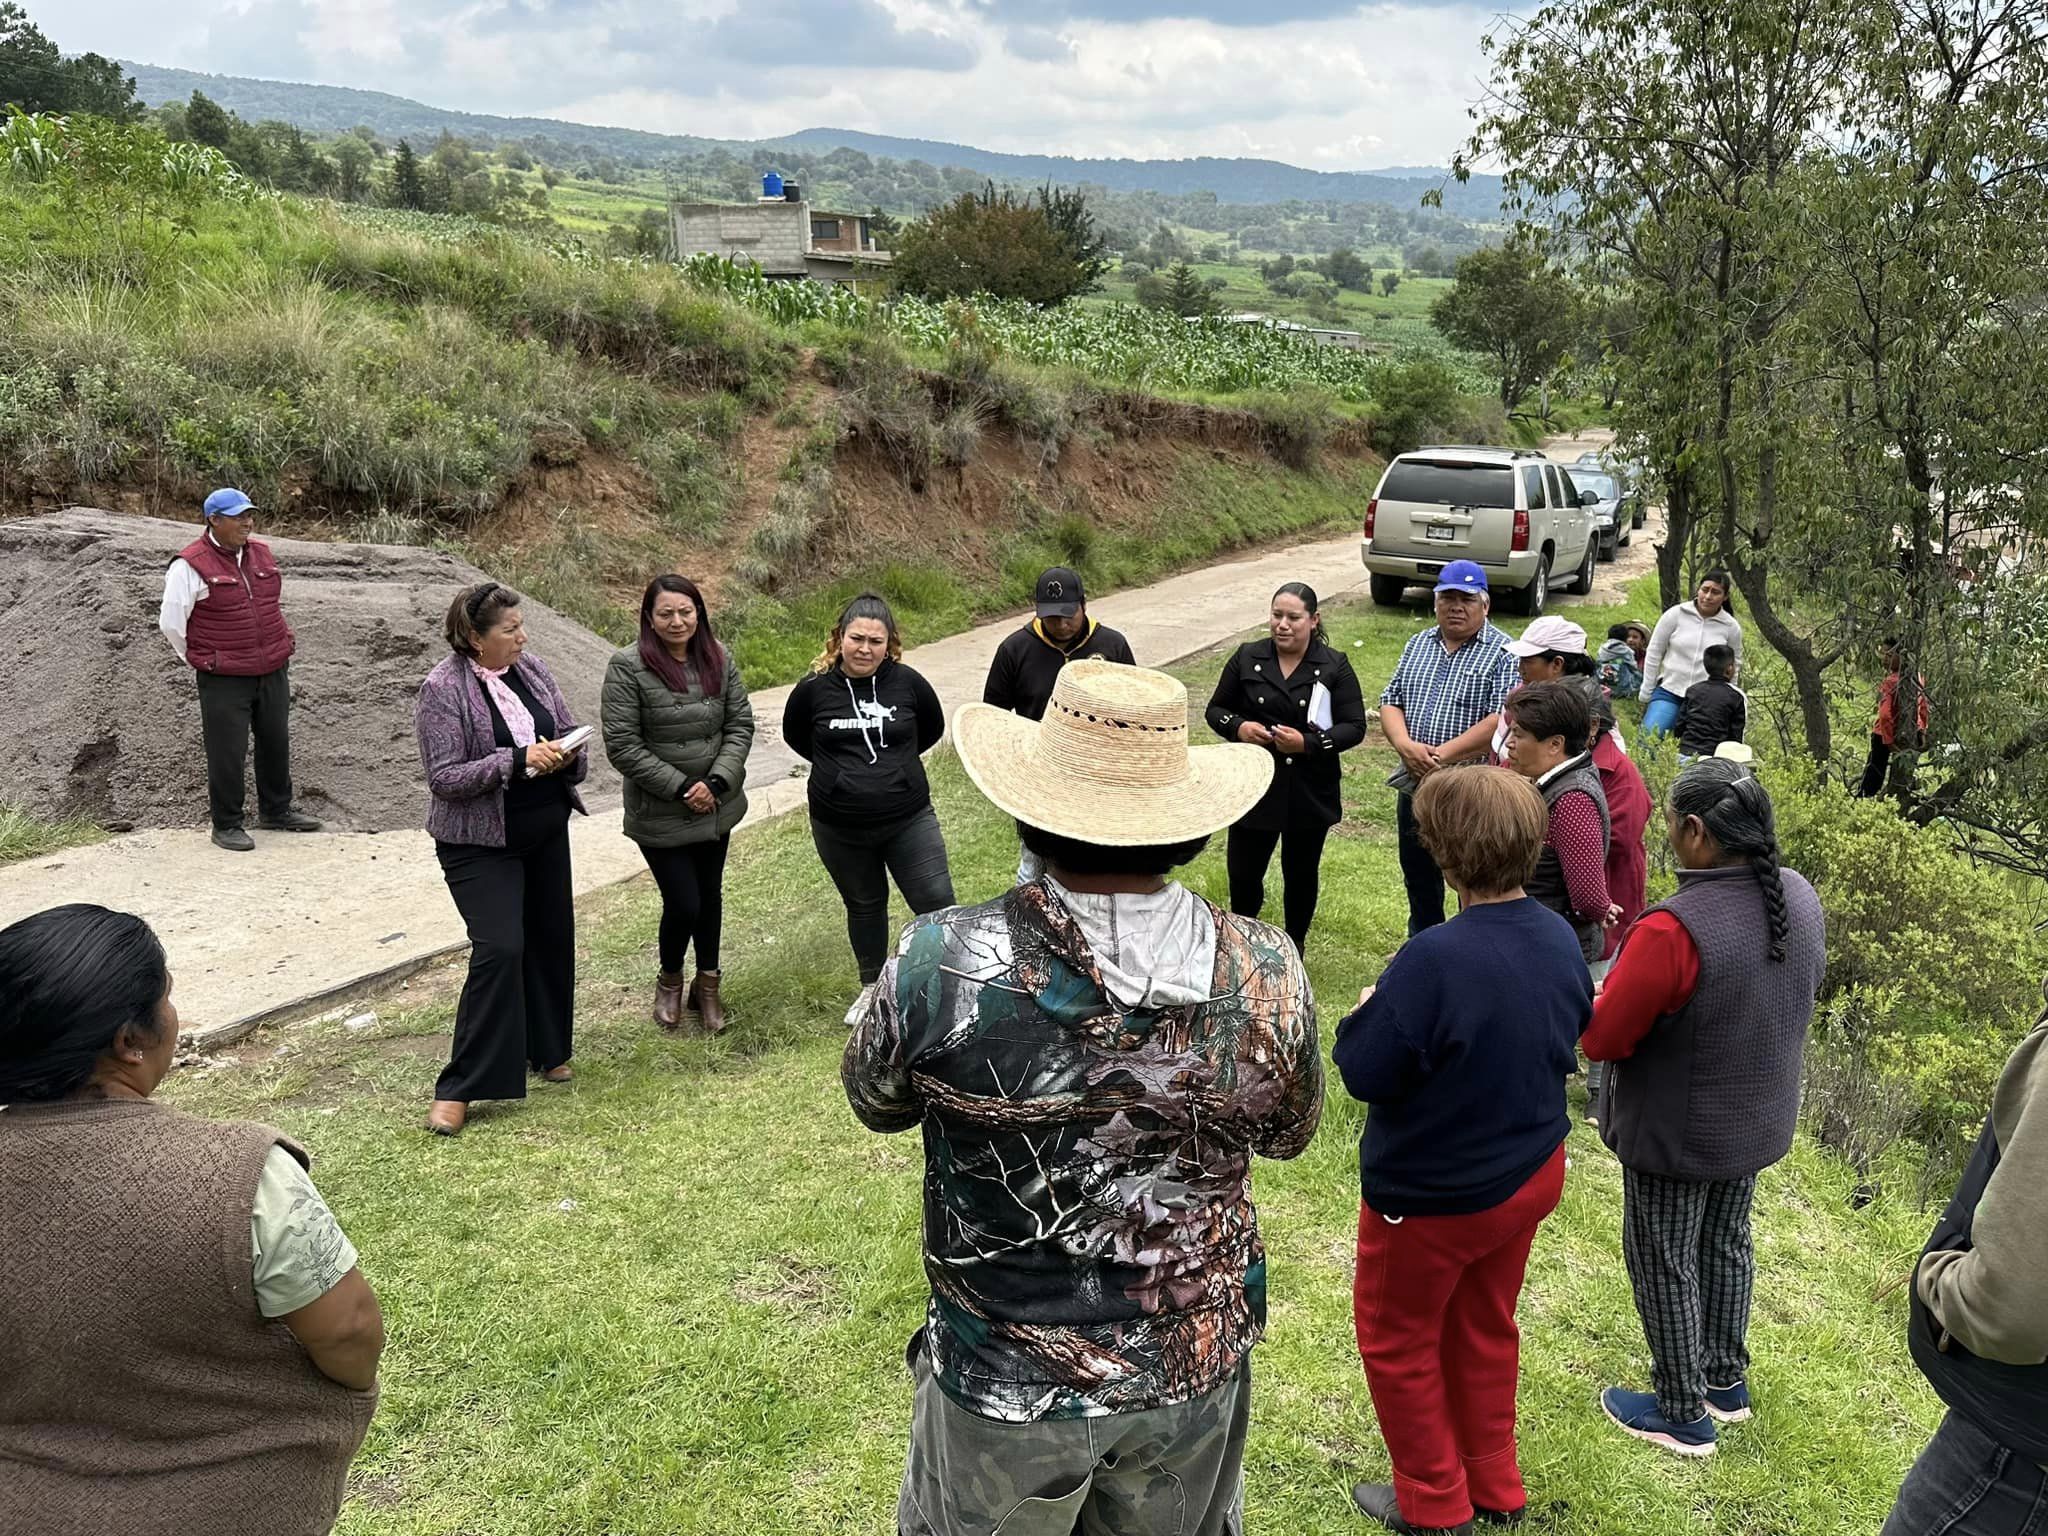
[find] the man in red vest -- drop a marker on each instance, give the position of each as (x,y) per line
(221,614)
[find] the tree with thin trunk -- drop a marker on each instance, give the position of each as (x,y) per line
(1512,308)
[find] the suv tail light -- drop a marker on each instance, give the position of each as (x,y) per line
(1521,539)
(1372,512)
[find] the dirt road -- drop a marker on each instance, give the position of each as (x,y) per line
(307,920)
(1610,581)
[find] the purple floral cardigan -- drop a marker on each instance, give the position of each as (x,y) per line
(466,769)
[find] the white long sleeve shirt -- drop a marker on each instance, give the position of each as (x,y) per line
(184,590)
(1678,647)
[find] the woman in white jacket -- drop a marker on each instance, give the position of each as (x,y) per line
(1675,660)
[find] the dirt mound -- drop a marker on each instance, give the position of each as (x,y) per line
(105,716)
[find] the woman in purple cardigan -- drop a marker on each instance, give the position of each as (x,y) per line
(491,723)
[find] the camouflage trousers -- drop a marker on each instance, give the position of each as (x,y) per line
(1174,1471)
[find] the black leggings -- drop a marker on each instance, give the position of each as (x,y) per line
(1246,856)
(692,881)
(860,860)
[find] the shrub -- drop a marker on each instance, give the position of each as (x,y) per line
(1413,403)
(885,401)
(1295,425)
(1044,407)
(1904,911)
(1074,537)
(960,434)
(1933,971)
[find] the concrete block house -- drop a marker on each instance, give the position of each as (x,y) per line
(783,235)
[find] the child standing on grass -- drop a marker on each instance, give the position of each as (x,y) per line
(1715,710)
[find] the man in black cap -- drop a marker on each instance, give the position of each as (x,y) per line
(1028,663)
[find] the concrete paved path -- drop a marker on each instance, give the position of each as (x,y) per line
(304,921)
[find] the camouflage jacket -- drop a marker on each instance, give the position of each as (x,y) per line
(1088,1225)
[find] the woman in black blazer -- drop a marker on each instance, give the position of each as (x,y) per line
(1268,695)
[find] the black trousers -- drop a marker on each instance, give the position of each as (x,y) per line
(1425,882)
(1693,1269)
(1874,769)
(230,710)
(692,881)
(520,994)
(861,861)
(1967,1484)
(1246,856)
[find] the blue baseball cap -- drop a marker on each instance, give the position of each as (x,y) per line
(1461,576)
(228,503)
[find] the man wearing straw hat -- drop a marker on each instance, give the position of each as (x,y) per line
(1094,1058)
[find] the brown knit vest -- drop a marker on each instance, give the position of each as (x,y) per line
(141,1391)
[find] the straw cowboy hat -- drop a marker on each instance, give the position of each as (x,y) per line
(1110,762)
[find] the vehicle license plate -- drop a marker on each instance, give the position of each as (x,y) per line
(1442,531)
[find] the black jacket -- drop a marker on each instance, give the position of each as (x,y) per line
(1027,664)
(864,738)
(1711,712)
(1305,785)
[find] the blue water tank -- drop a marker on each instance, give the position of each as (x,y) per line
(771,186)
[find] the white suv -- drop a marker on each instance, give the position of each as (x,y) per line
(1511,509)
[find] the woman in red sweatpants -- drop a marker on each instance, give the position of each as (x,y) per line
(1462,1051)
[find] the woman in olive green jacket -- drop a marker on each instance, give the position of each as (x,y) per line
(677,726)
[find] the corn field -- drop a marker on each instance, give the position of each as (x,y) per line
(1123,343)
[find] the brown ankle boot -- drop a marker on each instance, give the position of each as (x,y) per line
(705,986)
(445,1117)
(668,1000)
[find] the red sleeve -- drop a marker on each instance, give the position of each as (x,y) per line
(1654,975)
(1575,834)
(1887,710)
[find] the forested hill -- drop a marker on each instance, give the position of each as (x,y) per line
(1232,181)
(336,109)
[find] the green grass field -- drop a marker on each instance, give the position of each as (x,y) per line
(672,1297)
(1397,321)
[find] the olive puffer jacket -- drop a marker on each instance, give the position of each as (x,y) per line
(662,742)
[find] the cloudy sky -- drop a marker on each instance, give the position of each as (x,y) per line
(1321,83)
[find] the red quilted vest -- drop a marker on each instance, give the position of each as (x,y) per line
(238,630)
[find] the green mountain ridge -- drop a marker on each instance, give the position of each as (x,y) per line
(336,109)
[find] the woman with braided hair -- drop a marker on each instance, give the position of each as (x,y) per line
(1704,1019)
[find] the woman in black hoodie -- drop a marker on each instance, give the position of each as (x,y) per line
(863,720)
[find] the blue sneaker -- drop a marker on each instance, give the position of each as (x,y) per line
(1729,1405)
(1636,1413)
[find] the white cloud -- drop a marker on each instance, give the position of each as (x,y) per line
(1349,88)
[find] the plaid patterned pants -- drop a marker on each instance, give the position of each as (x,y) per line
(1693,1270)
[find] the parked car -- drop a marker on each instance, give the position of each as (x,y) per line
(1611,512)
(1630,476)
(1521,517)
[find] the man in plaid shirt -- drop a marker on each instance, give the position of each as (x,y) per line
(1441,707)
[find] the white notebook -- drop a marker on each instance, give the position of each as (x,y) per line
(1319,707)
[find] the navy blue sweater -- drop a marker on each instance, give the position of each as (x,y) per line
(1462,1053)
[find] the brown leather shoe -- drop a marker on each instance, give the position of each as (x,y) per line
(705,988)
(446,1116)
(668,1000)
(562,1074)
